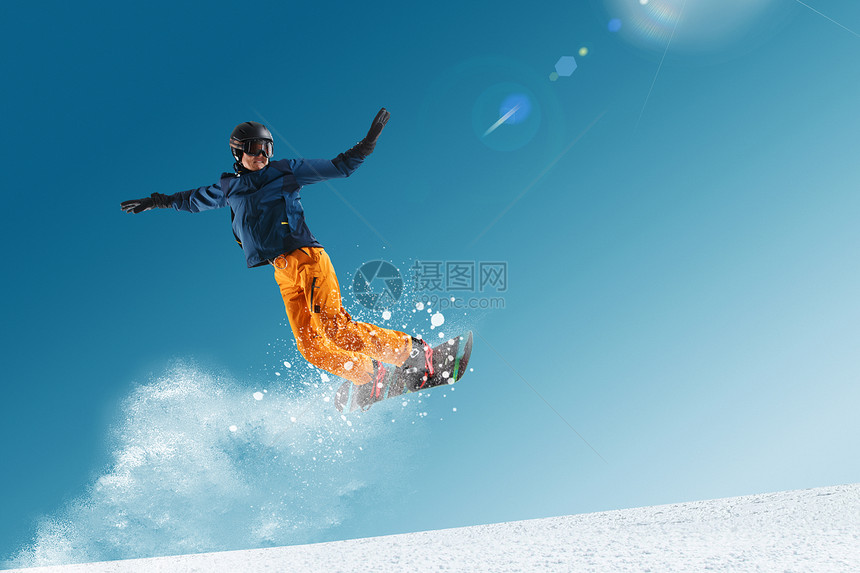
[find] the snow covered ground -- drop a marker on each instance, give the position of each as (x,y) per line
(808,530)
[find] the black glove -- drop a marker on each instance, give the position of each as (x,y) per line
(154,201)
(367,145)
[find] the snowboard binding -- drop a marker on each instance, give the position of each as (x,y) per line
(425,368)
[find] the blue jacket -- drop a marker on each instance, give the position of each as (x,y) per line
(268,219)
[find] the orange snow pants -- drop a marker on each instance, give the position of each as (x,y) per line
(325,333)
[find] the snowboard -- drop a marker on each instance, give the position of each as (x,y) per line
(450,360)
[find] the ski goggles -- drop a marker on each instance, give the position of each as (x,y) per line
(254,147)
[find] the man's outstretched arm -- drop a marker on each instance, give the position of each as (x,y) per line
(193,200)
(308,171)
(154,201)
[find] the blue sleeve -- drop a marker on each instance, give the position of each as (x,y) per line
(200,199)
(307,171)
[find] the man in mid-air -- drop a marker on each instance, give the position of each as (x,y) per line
(269,224)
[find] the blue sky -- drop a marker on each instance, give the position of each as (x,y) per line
(678,218)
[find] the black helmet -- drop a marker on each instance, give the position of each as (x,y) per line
(244,134)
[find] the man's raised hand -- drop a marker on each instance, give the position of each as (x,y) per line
(368,144)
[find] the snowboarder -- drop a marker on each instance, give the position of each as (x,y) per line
(269,225)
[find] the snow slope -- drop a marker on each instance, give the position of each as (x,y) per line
(808,530)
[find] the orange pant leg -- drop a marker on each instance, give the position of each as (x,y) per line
(325,333)
(383,344)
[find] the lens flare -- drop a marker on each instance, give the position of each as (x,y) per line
(516,107)
(506,116)
(698,25)
(566,65)
(500,121)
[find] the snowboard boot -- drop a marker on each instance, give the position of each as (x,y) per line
(377,389)
(428,367)
(417,369)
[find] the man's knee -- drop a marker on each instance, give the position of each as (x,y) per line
(307,349)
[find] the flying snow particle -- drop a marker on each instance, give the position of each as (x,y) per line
(386,315)
(348,365)
(437,319)
(277,373)
(441,335)
(287,364)
(419,305)
(293,419)
(258,395)
(233,428)
(455,409)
